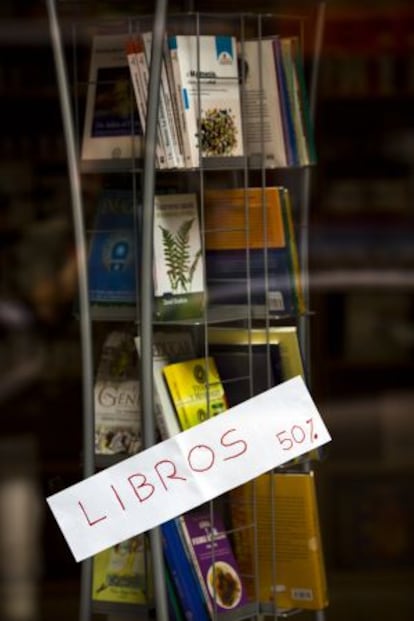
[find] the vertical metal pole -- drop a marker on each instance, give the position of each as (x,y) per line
(146,289)
(81,255)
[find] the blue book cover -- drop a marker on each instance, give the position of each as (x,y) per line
(264,274)
(183,573)
(288,125)
(112,253)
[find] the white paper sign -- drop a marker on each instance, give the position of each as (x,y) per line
(193,467)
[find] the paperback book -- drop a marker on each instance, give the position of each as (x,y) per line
(110,130)
(196,390)
(120,573)
(168,347)
(178,261)
(263,118)
(213,558)
(116,397)
(248,251)
(207,80)
(112,273)
(287,558)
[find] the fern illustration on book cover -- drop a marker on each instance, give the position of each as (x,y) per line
(178,261)
(117,399)
(196,390)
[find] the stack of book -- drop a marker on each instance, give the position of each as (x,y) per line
(204,80)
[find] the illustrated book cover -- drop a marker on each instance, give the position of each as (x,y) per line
(179,288)
(117,398)
(216,566)
(112,258)
(206,72)
(120,573)
(287,557)
(110,131)
(196,390)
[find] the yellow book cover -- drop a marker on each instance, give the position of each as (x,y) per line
(285,563)
(120,573)
(196,390)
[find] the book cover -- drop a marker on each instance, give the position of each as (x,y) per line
(263,119)
(178,261)
(216,566)
(120,573)
(168,347)
(285,337)
(294,264)
(112,273)
(116,397)
(196,390)
(110,131)
(284,566)
(182,573)
(247,251)
(246,370)
(207,68)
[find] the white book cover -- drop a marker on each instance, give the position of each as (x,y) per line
(210,90)
(178,261)
(139,77)
(263,122)
(108,131)
(168,347)
(165,112)
(117,398)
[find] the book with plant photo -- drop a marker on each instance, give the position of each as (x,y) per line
(206,68)
(178,263)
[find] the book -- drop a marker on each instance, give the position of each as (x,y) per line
(110,130)
(172,346)
(179,288)
(120,573)
(112,273)
(116,397)
(214,561)
(284,566)
(166,118)
(183,573)
(304,105)
(206,70)
(285,337)
(196,390)
(264,134)
(139,72)
(248,253)
(246,370)
(293,255)
(285,107)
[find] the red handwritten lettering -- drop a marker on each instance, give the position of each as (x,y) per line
(143,484)
(117,496)
(91,522)
(197,458)
(171,475)
(242,443)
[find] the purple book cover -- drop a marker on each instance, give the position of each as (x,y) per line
(215,559)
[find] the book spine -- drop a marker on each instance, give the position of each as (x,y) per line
(304,101)
(190,162)
(293,250)
(174,102)
(288,126)
(182,573)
